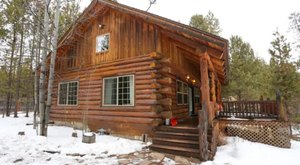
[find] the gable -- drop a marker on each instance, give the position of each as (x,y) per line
(134,32)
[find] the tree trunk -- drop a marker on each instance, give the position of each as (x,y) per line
(17,107)
(10,77)
(43,70)
(36,78)
(52,64)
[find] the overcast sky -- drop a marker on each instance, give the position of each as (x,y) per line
(253,20)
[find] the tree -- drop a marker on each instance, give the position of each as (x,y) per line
(295,23)
(70,12)
(43,70)
(208,23)
(285,77)
(52,66)
(248,74)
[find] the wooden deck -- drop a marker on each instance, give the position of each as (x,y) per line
(250,109)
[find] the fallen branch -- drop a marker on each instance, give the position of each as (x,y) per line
(76,154)
(52,152)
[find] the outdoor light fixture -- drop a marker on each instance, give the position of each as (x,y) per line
(101,26)
(193,81)
(188,77)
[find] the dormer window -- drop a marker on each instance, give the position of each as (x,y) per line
(102,43)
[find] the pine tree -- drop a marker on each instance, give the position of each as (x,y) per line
(208,23)
(248,75)
(284,73)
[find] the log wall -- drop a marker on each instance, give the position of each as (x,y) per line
(131,41)
(143,114)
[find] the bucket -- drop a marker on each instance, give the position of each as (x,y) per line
(167,122)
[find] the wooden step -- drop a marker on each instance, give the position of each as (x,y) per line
(176,135)
(188,152)
(176,142)
(179,129)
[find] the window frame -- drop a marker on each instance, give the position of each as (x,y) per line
(182,93)
(117,105)
(99,52)
(58,98)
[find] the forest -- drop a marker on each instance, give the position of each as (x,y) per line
(28,32)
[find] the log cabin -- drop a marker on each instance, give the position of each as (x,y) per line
(127,71)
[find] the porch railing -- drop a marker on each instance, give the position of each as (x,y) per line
(250,109)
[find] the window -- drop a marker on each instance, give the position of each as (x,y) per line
(68,93)
(197,95)
(102,43)
(182,93)
(118,91)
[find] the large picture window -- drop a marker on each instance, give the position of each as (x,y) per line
(68,93)
(102,43)
(182,93)
(118,91)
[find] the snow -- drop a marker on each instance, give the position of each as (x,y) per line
(239,151)
(29,148)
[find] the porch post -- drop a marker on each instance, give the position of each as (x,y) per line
(219,96)
(203,114)
(213,86)
(205,89)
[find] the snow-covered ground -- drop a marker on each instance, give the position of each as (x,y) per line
(29,149)
(242,152)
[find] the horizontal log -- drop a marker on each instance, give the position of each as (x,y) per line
(165,101)
(164,81)
(155,75)
(155,86)
(156,96)
(116,119)
(166,91)
(157,108)
(155,65)
(155,55)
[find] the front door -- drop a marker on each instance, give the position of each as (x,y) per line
(191,101)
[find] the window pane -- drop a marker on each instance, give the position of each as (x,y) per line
(179,98)
(102,43)
(63,94)
(185,99)
(72,95)
(125,96)
(110,91)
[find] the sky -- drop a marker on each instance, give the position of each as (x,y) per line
(254,20)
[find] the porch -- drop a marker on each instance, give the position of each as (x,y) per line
(257,121)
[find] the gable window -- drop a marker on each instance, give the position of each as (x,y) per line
(182,93)
(102,43)
(118,91)
(67,93)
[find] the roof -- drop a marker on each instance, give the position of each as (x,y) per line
(214,42)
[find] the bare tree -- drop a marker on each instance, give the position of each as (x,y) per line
(43,69)
(52,64)
(151,2)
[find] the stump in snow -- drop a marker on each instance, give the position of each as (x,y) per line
(21,133)
(74,134)
(88,137)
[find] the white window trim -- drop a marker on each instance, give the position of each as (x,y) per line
(181,93)
(66,82)
(108,43)
(116,105)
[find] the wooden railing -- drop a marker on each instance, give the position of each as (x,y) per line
(250,109)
